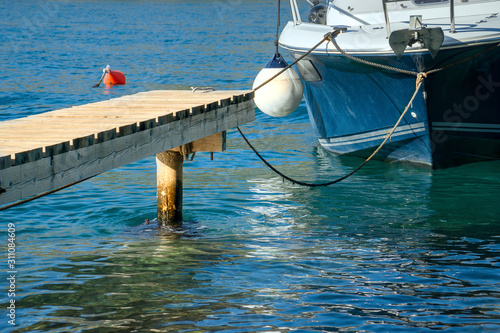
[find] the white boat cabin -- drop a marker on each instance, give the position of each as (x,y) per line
(365,12)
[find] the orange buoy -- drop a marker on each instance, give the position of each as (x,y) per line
(113,78)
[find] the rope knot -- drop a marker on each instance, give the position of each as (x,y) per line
(420,78)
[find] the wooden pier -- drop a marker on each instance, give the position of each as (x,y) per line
(43,152)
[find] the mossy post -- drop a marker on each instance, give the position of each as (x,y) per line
(169,187)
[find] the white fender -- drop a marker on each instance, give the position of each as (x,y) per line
(281,96)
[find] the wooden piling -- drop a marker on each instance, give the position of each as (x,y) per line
(169,187)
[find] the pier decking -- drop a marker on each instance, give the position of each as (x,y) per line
(53,149)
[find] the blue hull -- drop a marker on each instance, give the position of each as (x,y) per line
(455,118)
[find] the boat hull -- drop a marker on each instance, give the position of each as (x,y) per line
(454,118)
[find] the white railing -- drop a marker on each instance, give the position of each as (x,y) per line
(452,15)
(295,12)
(387,20)
(388,23)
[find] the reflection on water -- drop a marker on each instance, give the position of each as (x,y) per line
(309,276)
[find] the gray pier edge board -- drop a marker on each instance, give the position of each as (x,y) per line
(42,169)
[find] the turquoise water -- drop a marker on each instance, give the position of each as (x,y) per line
(391,249)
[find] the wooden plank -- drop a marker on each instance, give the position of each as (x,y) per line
(197,109)
(213,143)
(165,119)
(126,130)
(224,102)
(5,162)
(146,124)
(184,114)
(97,148)
(28,156)
(56,149)
(212,106)
(83,142)
(106,135)
(60,131)
(249,96)
(236,99)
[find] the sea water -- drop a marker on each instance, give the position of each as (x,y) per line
(391,249)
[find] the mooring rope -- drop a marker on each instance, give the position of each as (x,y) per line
(420,77)
(294,181)
(293,63)
(331,38)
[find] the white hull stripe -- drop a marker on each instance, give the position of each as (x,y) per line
(372,136)
(475,130)
(466,127)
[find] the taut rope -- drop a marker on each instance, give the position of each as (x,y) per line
(420,77)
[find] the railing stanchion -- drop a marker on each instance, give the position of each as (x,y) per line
(452,16)
(387,21)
